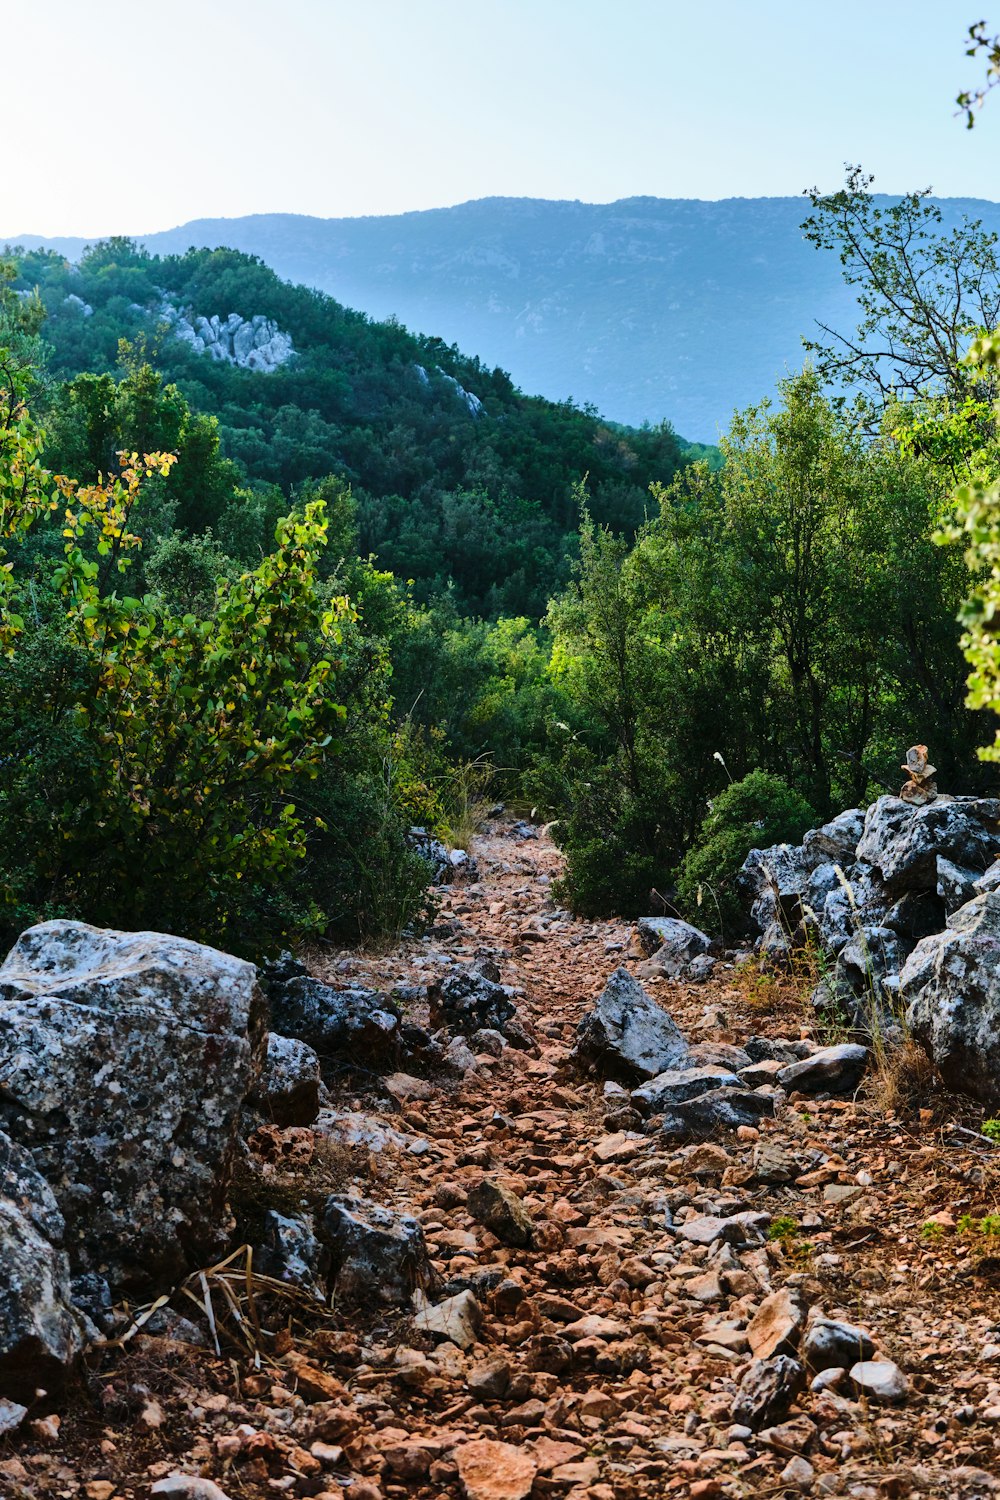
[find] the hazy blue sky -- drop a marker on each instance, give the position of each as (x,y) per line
(140,114)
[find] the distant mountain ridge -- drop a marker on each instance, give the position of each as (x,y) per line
(647,308)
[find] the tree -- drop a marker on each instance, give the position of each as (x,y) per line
(197,731)
(924,295)
(788,614)
(980,41)
(977,523)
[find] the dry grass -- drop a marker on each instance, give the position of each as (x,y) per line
(294,1181)
(467,800)
(781,994)
(905,1080)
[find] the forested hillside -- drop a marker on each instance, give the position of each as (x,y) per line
(459,480)
(649,308)
(476,593)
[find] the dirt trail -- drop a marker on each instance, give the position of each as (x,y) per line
(639,1400)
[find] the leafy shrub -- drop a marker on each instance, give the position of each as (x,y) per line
(612,864)
(359,869)
(150,757)
(750,814)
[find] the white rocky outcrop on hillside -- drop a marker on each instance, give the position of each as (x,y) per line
(255,344)
(470,399)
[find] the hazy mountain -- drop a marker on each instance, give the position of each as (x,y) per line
(647,308)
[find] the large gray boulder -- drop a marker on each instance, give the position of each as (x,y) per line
(830,1344)
(833,1070)
(904,842)
(287,1091)
(125,1059)
(470,998)
(627,1036)
(286,1247)
(348,1025)
(772,882)
(951,985)
(671,944)
(836,842)
(40,1333)
(378,1256)
(679,952)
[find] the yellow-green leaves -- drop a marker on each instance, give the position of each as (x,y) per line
(202,728)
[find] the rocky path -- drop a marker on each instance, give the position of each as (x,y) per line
(668,1329)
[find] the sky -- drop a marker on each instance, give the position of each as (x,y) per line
(137,115)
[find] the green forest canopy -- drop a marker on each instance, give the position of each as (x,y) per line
(617,628)
(476,497)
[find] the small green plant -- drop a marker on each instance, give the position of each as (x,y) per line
(787,1232)
(991,1130)
(986,1228)
(932,1230)
(834,1023)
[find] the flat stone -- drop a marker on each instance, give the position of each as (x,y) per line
(756,1074)
(727,1336)
(719,1055)
(558,1309)
(831,1070)
(879,1380)
(841,1192)
(798,1473)
(621,1145)
(579,1475)
(705,1288)
(739,1229)
(722,1109)
(776,1325)
(703,1230)
(187,1487)
(489,1470)
(677,1085)
(405,1086)
(550,1453)
(775,1164)
(593,1326)
(490,1380)
(707,1160)
(456,1319)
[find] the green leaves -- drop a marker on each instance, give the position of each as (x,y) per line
(976,522)
(199,729)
